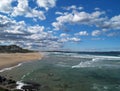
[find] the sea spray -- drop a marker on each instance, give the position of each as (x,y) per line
(20,84)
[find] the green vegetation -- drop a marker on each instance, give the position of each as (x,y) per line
(13,49)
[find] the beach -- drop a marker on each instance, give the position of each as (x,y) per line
(12,59)
(58,71)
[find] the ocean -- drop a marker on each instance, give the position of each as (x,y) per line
(69,72)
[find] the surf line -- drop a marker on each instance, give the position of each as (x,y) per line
(10,68)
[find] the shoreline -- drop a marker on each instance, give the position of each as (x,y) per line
(9,61)
(12,60)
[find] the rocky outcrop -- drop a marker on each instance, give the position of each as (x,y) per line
(10,85)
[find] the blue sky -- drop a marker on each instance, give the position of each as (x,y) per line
(77,25)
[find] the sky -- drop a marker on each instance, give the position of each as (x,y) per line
(76,25)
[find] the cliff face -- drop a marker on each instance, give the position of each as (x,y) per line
(13,49)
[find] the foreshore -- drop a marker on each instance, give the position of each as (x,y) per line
(12,59)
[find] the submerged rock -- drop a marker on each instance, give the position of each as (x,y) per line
(10,85)
(31,86)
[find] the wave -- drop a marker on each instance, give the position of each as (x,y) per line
(96,56)
(20,84)
(87,63)
(99,61)
(10,68)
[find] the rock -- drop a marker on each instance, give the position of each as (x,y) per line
(10,81)
(31,86)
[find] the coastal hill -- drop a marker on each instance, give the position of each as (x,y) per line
(13,49)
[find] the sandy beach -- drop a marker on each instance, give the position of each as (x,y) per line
(11,59)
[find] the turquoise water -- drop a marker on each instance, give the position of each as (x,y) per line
(71,72)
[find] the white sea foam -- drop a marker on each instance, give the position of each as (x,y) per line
(10,68)
(26,75)
(95,61)
(87,63)
(20,85)
(95,56)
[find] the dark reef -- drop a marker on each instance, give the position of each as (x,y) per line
(10,85)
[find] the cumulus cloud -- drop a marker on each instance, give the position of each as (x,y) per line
(83,18)
(74,39)
(97,9)
(58,13)
(9,25)
(23,9)
(69,39)
(46,3)
(35,29)
(5,6)
(82,33)
(97,19)
(96,32)
(73,7)
(19,33)
(114,22)
(64,35)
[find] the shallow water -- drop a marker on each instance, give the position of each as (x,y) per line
(71,72)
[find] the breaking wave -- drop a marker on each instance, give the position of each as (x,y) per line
(10,68)
(86,63)
(96,61)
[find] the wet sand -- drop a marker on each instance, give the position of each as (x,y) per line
(11,59)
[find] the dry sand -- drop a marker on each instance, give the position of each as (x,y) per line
(11,59)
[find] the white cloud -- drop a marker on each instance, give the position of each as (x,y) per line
(82,33)
(8,25)
(58,13)
(36,14)
(74,39)
(23,9)
(82,18)
(72,7)
(115,23)
(35,29)
(69,39)
(97,9)
(19,33)
(96,32)
(80,8)
(46,3)
(5,6)
(97,19)
(64,35)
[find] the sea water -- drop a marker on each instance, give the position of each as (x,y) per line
(70,72)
